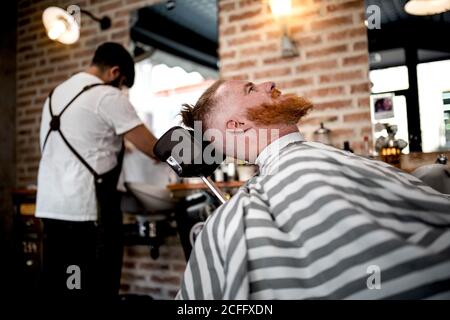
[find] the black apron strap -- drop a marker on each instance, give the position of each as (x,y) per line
(86,88)
(55,126)
(91,170)
(52,115)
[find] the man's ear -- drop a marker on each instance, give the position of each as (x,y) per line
(114,72)
(236,125)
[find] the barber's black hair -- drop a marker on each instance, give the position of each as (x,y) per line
(110,54)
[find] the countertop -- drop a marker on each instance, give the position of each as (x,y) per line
(412,161)
(199,186)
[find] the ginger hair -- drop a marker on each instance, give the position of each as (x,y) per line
(202,109)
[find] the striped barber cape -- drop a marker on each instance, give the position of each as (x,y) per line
(321,223)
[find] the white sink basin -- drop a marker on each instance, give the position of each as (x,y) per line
(153,198)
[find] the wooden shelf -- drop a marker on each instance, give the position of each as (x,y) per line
(197,186)
(24,192)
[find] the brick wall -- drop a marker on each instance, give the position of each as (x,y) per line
(331,69)
(158,278)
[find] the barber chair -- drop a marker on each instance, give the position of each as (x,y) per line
(189,157)
(435,175)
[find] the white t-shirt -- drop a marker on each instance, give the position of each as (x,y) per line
(93,124)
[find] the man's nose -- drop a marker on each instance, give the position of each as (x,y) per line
(268,86)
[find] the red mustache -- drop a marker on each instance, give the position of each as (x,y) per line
(288,109)
(275,93)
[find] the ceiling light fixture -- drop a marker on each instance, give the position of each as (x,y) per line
(104,22)
(427,7)
(60,25)
(281,10)
(64,25)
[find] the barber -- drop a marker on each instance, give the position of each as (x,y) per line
(84,122)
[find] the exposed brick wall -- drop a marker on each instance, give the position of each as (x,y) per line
(158,278)
(331,69)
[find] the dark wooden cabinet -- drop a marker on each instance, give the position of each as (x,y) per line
(28,235)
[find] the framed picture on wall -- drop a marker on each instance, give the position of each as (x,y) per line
(382,106)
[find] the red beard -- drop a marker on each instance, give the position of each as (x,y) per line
(286,109)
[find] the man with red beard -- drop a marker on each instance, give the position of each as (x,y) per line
(315,222)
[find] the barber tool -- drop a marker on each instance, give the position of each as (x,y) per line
(323,135)
(189,156)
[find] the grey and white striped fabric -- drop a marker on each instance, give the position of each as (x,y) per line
(312,224)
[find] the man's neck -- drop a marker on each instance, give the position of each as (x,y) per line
(277,133)
(273,134)
(93,70)
(285,136)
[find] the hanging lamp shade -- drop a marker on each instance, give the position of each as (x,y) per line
(60,25)
(427,7)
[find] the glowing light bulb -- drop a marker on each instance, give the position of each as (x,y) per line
(57,29)
(281,7)
(60,25)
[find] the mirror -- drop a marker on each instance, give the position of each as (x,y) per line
(410,74)
(176,52)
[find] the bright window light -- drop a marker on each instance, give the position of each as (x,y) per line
(160,90)
(389,79)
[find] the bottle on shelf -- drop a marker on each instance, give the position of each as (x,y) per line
(322,135)
(347,146)
(231,171)
(219,175)
(367,152)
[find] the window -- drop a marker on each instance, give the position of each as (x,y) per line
(434,85)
